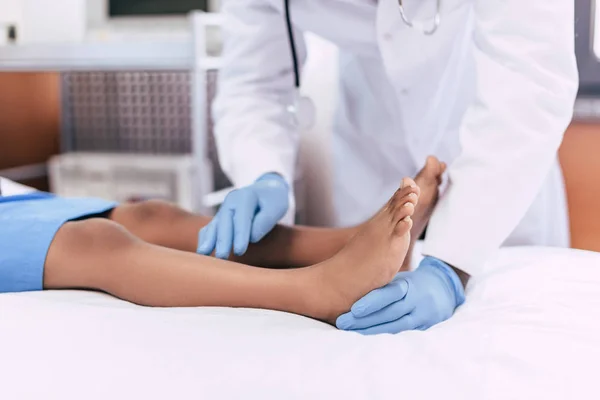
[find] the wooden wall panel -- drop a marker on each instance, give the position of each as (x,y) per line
(29,119)
(580,158)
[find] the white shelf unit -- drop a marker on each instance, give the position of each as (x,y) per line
(184,52)
(99,56)
(124,49)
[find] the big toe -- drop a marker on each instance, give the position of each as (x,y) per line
(431,174)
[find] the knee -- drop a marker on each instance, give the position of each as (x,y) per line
(153,211)
(88,254)
(95,235)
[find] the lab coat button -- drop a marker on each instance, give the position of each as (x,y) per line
(387,37)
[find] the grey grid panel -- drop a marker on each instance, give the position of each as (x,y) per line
(133,112)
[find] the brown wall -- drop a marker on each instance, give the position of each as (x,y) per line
(29,119)
(580,158)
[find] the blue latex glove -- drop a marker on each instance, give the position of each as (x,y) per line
(246,215)
(414,300)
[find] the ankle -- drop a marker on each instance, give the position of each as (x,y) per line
(316,292)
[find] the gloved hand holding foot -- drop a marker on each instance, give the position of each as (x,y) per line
(246,216)
(413,300)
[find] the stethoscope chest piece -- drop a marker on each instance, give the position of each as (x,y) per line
(303,112)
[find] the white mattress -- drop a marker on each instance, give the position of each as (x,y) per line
(530,329)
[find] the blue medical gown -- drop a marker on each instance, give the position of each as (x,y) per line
(28,224)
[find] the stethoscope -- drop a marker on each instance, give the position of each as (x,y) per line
(420,25)
(302,109)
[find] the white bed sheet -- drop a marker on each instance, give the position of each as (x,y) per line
(530,329)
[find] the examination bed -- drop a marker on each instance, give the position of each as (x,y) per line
(530,329)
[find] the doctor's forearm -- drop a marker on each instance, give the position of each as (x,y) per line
(526,83)
(462,275)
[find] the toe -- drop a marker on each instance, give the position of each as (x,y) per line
(404,212)
(404,226)
(407,183)
(443,167)
(411,198)
(404,197)
(434,165)
(404,206)
(431,171)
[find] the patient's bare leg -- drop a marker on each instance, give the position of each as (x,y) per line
(100,254)
(164,224)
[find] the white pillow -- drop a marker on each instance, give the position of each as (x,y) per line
(10,188)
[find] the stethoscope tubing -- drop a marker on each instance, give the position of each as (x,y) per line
(290,31)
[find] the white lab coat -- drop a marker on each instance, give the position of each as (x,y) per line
(491,93)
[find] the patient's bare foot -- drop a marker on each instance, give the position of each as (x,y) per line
(370,259)
(428,180)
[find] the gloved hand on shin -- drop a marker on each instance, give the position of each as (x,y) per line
(246,216)
(414,300)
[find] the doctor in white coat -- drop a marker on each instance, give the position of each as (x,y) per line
(491,92)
